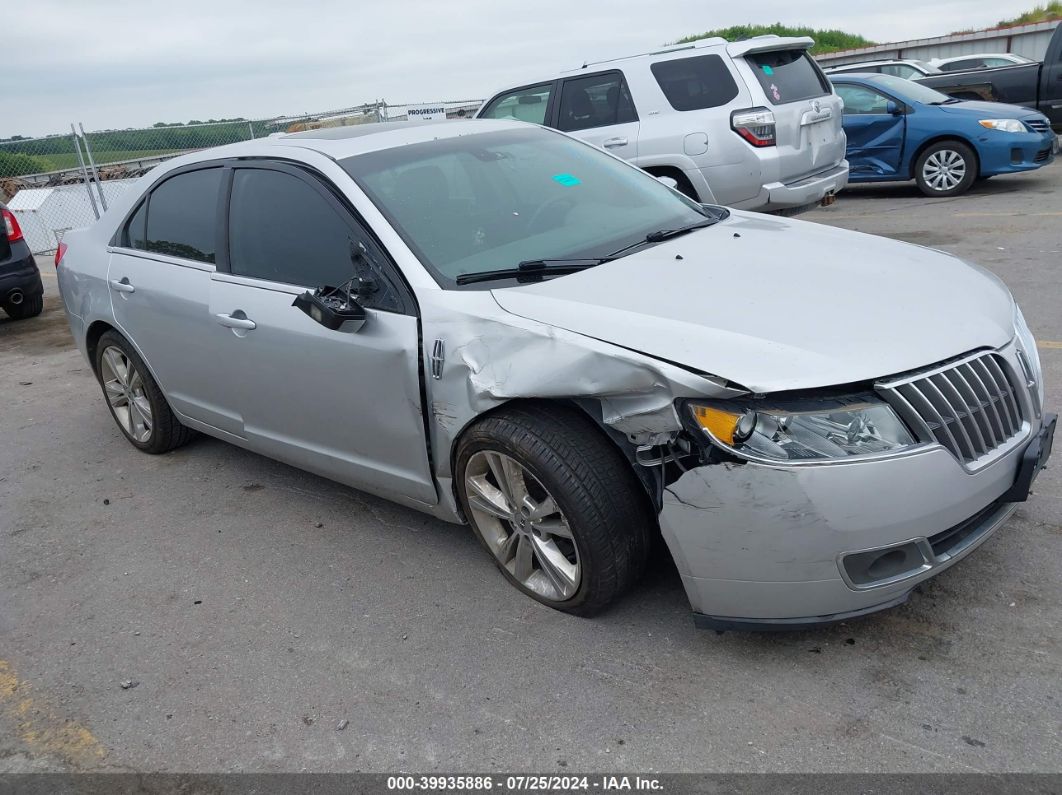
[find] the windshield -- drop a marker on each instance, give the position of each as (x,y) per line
(488,201)
(909,90)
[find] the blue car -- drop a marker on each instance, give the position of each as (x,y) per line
(900,130)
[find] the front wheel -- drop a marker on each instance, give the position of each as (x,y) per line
(556,505)
(947,168)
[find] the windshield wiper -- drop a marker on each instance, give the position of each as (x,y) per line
(531,269)
(666,234)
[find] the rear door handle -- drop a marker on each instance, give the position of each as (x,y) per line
(122,286)
(236,322)
(610,143)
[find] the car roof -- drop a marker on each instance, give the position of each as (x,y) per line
(356,139)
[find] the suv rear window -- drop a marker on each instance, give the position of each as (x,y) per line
(703,81)
(788,75)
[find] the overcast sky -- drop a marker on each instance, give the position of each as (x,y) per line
(122,63)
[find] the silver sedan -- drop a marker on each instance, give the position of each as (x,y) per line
(500,325)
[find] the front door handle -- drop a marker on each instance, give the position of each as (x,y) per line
(122,286)
(611,143)
(230,321)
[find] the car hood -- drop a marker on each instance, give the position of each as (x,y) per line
(990,110)
(774,304)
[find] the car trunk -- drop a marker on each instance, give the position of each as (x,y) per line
(807,113)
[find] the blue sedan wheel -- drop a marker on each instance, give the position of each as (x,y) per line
(947,168)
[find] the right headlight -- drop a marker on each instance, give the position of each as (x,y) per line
(796,432)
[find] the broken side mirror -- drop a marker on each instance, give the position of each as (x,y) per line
(334,309)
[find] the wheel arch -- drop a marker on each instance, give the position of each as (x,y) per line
(676,174)
(591,409)
(92,340)
(942,138)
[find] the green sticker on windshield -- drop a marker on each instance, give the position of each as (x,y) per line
(567,180)
(767,70)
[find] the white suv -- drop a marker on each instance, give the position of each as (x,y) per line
(753,124)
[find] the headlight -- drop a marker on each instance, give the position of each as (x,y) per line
(1027,343)
(800,433)
(1004,125)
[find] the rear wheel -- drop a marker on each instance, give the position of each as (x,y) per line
(30,307)
(135,400)
(555,504)
(946,168)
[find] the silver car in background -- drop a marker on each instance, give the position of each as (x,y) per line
(753,124)
(497,324)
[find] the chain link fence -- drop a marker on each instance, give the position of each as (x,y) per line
(62,182)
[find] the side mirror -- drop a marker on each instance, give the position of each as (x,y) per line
(671,182)
(893,109)
(333,309)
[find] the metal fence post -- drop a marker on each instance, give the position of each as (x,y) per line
(84,172)
(250,129)
(92,165)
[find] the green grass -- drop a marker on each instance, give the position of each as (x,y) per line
(58,162)
(1040,13)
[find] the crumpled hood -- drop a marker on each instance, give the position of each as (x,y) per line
(991,110)
(775,304)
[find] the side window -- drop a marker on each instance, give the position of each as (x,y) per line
(862,101)
(282,229)
(182,216)
(524,104)
(135,234)
(595,101)
(703,81)
(900,70)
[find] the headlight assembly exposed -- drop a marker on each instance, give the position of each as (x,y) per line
(1004,125)
(795,433)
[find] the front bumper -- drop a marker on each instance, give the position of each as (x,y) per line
(785,547)
(1010,153)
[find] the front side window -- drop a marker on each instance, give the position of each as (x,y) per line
(524,104)
(182,216)
(788,75)
(862,101)
(475,203)
(596,101)
(703,81)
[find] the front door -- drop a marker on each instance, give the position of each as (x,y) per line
(346,405)
(876,128)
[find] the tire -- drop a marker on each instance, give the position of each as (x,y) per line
(947,168)
(135,401)
(30,307)
(602,523)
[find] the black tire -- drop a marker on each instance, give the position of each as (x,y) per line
(166,432)
(954,151)
(592,484)
(30,307)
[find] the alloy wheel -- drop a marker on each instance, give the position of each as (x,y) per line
(521,524)
(944,170)
(124,387)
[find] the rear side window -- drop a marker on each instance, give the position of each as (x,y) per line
(596,101)
(523,104)
(788,76)
(135,235)
(182,216)
(695,83)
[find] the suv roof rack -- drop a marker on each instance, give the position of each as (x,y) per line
(709,42)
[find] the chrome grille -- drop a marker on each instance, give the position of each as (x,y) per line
(970,406)
(1038,125)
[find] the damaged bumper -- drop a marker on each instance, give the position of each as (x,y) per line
(774,547)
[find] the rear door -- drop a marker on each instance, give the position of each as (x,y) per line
(875,136)
(807,112)
(598,108)
(159,279)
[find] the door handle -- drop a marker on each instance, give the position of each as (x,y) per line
(122,286)
(610,143)
(229,321)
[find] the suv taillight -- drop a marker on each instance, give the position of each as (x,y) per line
(755,125)
(14,231)
(59,252)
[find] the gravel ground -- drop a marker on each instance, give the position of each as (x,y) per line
(212,610)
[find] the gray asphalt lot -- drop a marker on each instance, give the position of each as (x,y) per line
(255,606)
